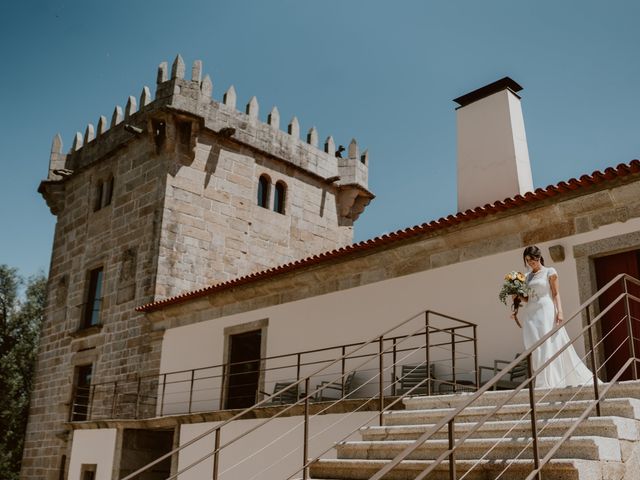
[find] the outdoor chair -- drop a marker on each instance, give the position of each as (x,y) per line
(413,375)
(333,390)
(284,398)
(512,379)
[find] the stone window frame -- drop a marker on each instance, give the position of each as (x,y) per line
(584,255)
(261,325)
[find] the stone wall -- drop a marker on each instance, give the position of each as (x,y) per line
(213,230)
(122,238)
(183,215)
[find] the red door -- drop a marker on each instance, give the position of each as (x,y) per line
(614,323)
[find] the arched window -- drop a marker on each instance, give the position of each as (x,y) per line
(280,196)
(263,191)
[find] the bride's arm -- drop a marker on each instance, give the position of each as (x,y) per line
(555,295)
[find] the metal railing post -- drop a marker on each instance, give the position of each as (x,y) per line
(164,386)
(427,349)
(298,369)
(216,455)
(453,360)
(534,423)
(191,389)
(305,446)
(632,347)
(475,357)
(452,455)
(380,378)
(594,366)
(343,368)
(393,370)
(223,384)
(92,396)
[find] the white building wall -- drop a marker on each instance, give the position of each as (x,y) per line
(269,453)
(93,447)
(467,290)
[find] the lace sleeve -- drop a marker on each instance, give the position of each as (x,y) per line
(551,271)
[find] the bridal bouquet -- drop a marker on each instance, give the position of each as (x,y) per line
(515,283)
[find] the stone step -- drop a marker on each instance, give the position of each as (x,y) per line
(583,448)
(611,427)
(619,407)
(556,469)
(627,389)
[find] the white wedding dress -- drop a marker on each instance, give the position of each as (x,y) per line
(538,318)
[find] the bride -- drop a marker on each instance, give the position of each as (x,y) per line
(540,312)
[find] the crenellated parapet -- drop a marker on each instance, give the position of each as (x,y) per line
(178,99)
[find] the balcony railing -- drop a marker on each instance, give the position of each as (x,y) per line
(451,351)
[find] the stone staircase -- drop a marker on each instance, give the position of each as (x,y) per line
(602,448)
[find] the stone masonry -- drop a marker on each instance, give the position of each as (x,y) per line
(183,214)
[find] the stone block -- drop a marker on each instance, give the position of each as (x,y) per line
(599,219)
(557,253)
(582,224)
(490,246)
(548,232)
(586,203)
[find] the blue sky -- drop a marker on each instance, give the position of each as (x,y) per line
(382,72)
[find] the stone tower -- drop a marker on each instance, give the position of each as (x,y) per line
(172,194)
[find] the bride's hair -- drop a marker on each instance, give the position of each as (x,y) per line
(532,252)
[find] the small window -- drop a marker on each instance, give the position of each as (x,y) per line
(108,192)
(159,133)
(103,194)
(94,299)
(97,201)
(263,191)
(81,393)
(280,197)
(88,471)
(184,133)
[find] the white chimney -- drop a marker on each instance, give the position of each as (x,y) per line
(493,158)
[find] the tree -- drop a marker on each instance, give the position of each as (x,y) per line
(20,323)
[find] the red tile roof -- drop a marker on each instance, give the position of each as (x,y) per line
(529,198)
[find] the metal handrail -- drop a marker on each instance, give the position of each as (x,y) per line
(380,398)
(164,382)
(295,386)
(450,419)
(310,394)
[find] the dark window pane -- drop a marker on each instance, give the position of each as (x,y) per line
(94,298)
(97,202)
(278,201)
(82,393)
(184,133)
(263,192)
(108,192)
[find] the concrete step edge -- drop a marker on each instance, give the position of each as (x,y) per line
(517,406)
(624,428)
